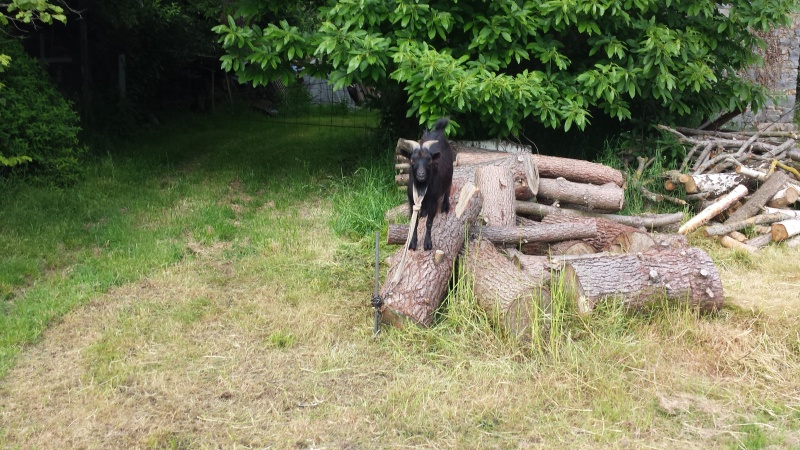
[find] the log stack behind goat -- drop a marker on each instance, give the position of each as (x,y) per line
(431,173)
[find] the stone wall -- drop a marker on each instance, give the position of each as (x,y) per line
(779,75)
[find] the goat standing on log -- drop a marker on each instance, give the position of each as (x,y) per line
(432,175)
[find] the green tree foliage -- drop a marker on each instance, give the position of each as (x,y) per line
(37,125)
(557,62)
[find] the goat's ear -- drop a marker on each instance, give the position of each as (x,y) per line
(406,147)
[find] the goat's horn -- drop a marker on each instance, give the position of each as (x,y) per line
(427,144)
(406,144)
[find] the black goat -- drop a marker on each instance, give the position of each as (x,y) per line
(432,174)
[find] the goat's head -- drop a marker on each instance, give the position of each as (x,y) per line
(422,157)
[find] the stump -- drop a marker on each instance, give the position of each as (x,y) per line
(678,275)
(496,184)
(422,281)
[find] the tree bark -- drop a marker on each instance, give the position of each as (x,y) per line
(679,275)
(760,241)
(715,183)
(713,210)
(785,229)
(611,236)
(790,213)
(576,170)
(523,169)
(558,248)
(607,197)
(794,154)
(415,288)
(538,267)
(508,295)
(512,235)
(496,184)
(774,183)
(648,221)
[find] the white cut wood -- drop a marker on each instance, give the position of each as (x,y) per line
(752,173)
(784,197)
(714,183)
(713,210)
(793,242)
(790,213)
(785,229)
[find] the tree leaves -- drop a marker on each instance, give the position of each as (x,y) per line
(552,61)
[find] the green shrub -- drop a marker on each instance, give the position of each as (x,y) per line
(36,122)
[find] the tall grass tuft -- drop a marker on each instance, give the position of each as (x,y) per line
(361,199)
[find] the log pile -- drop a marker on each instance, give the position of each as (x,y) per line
(532,221)
(740,181)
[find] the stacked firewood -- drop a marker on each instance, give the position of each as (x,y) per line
(534,223)
(740,180)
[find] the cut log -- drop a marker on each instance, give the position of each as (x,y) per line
(790,213)
(793,242)
(774,183)
(648,221)
(678,275)
(496,183)
(399,213)
(608,197)
(794,154)
(784,197)
(513,235)
(526,177)
(760,241)
(421,282)
(670,240)
(509,296)
(751,173)
(718,230)
(558,248)
(738,236)
(785,229)
(611,236)
(715,183)
(575,170)
(729,242)
(713,210)
(538,267)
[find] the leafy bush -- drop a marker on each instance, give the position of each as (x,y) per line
(558,63)
(36,122)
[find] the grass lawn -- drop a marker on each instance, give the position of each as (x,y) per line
(208,286)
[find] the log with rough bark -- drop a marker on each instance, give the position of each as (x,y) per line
(774,183)
(559,248)
(414,288)
(509,296)
(648,221)
(670,240)
(794,154)
(718,230)
(611,236)
(785,229)
(399,213)
(512,235)
(608,197)
(784,197)
(526,176)
(554,167)
(539,268)
(680,275)
(713,210)
(496,183)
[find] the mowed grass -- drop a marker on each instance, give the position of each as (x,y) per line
(208,286)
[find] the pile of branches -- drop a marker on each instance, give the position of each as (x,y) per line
(740,180)
(535,223)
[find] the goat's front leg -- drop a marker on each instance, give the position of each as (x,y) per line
(429,223)
(412,245)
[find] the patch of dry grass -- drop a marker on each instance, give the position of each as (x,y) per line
(270,346)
